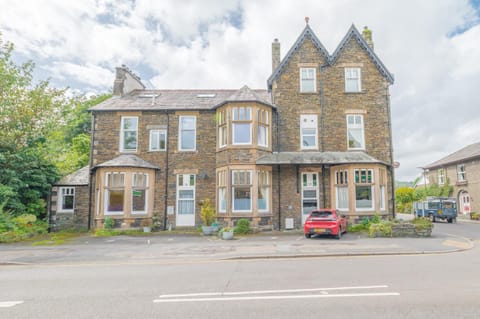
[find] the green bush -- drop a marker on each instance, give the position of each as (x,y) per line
(381,229)
(207,213)
(243,226)
(109,223)
(422,223)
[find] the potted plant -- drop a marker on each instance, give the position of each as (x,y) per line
(207,214)
(147,225)
(227,233)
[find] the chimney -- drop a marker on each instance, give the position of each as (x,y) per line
(367,35)
(126,81)
(275,54)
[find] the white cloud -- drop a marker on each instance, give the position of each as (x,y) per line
(226,44)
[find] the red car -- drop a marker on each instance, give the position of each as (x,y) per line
(325,222)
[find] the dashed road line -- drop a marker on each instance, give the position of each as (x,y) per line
(7,304)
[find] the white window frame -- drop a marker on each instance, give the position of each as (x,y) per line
(441,176)
(308,121)
(341,185)
(234,184)
(356,126)
(382,197)
(222,128)
(367,183)
(159,133)
(106,212)
(237,120)
(308,72)
(267,187)
(62,193)
(144,188)
(122,134)
(461,173)
(350,77)
(263,123)
(222,187)
(181,130)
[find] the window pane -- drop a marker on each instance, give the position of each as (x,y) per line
(241,198)
(130,140)
(342,197)
(130,123)
(355,138)
(67,203)
(188,140)
(222,199)
(187,123)
(115,200)
(263,198)
(363,196)
(138,200)
(262,135)
(241,133)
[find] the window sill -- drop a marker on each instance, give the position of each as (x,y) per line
(65,211)
(358,92)
(308,92)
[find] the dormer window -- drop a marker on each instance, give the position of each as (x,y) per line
(353,80)
(307,80)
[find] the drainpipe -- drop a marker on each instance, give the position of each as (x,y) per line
(392,170)
(90,178)
(166,172)
(279,199)
(322,108)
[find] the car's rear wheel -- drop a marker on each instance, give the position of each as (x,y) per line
(308,235)
(431,217)
(450,220)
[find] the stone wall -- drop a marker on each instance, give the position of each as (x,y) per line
(78,219)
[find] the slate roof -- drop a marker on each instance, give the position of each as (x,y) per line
(469,152)
(317,158)
(147,100)
(127,161)
(331,59)
(79,177)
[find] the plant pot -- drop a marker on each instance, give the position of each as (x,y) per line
(147,229)
(227,235)
(207,230)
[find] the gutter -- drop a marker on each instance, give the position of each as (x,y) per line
(392,170)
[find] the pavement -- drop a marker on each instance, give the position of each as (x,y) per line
(172,247)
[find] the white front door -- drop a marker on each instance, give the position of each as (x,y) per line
(185,200)
(464,202)
(309,194)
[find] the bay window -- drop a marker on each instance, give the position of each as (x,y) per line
(242,125)
(242,191)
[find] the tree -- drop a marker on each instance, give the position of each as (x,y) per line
(27,112)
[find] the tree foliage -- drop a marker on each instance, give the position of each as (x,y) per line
(405,196)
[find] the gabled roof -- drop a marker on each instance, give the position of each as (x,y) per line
(79,177)
(245,94)
(469,152)
(128,161)
(153,100)
(353,33)
(329,158)
(307,32)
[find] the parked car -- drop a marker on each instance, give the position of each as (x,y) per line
(437,208)
(325,221)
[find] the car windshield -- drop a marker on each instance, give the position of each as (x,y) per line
(322,214)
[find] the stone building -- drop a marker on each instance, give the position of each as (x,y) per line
(318,136)
(462,170)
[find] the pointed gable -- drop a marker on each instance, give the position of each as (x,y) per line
(245,94)
(307,33)
(354,34)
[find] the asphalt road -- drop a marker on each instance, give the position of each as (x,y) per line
(415,286)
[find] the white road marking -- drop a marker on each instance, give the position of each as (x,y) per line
(211,294)
(6,304)
(276,297)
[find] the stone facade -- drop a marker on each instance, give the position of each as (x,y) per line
(241,137)
(75,219)
(461,170)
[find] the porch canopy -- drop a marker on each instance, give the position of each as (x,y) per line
(324,158)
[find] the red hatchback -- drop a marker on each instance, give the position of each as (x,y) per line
(325,222)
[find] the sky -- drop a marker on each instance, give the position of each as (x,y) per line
(432,47)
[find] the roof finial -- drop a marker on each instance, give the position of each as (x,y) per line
(307,19)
